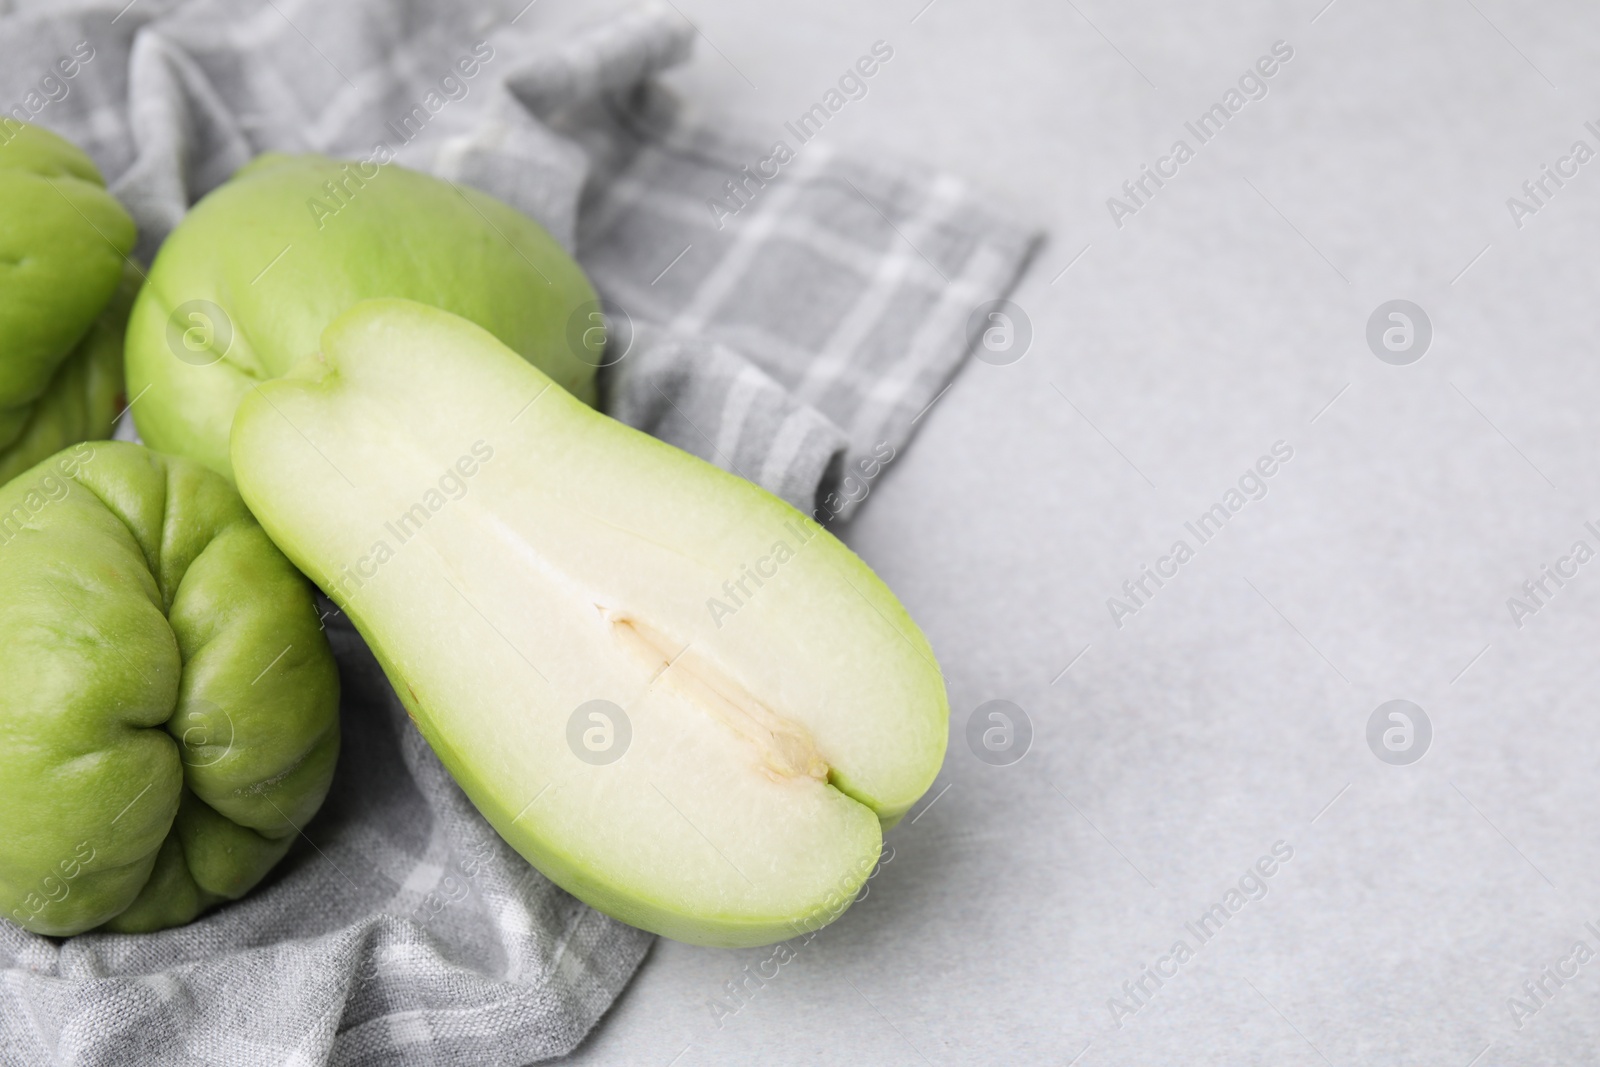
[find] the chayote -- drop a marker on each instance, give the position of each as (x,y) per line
(243,288)
(168,701)
(66,285)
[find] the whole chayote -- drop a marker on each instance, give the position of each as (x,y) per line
(66,286)
(168,701)
(244,286)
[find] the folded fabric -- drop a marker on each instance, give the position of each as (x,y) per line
(792,336)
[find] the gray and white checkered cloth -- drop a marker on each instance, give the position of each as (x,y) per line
(794,340)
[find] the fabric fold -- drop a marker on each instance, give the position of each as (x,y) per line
(782,310)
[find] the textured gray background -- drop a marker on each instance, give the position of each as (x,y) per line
(1223,317)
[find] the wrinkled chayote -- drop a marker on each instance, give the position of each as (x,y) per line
(168,701)
(66,286)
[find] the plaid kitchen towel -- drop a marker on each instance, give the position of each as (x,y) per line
(779,310)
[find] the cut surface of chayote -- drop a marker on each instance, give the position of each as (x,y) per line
(681,699)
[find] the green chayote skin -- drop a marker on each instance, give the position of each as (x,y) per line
(168,701)
(66,286)
(244,286)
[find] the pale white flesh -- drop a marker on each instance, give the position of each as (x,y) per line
(579,561)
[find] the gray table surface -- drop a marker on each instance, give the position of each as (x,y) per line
(1231,711)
